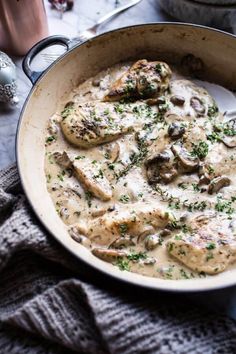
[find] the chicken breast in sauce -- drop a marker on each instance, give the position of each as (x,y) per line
(143,80)
(209,247)
(140,165)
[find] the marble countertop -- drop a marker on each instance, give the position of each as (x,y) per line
(83,16)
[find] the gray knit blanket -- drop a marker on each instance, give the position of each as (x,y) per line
(51,302)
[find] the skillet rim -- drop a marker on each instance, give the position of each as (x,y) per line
(121,276)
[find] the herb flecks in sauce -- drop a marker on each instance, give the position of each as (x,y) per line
(136,116)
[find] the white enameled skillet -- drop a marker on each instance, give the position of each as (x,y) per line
(171,42)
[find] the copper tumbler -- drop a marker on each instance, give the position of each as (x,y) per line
(22,24)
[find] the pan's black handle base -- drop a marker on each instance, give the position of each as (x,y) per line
(44,43)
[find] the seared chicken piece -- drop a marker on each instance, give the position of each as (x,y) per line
(91,176)
(95,123)
(89,173)
(209,248)
(126,221)
(143,80)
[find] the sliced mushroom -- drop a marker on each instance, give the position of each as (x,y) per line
(151,101)
(62,159)
(197,104)
(231,124)
(148,230)
(96,82)
(217,183)
(177,100)
(75,234)
(165,232)
(149,261)
(98,212)
(121,242)
(108,255)
(176,130)
(187,162)
(204,179)
(204,176)
(158,101)
(152,241)
(229,141)
(64,213)
(163,156)
(161,167)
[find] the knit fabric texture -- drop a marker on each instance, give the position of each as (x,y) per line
(50,302)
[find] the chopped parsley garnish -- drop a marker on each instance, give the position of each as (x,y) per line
(184,274)
(213,137)
(174,204)
(99,175)
(200,150)
(50,159)
(49,177)
(107,155)
(210,169)
(79,157)
(61,175)
(135,158)
(210,246)
(158,68)
(197,206)
(224,206)
(88,197)
(228,130)
(170,247)
(111,166)
(168,272)
(209,256)
(212,111)
(118,108)
(124,198)
(137,256)
(195,187)
(123,228)
(182,185)
(178,237)
(130,86)
(67,110)
(123,264)
(106,112)
(50,138)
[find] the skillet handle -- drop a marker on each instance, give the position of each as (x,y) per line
(38,47)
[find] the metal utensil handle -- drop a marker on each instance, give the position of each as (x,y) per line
(44,43)
(115,12)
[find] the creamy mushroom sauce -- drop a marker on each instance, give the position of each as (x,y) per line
(159,197)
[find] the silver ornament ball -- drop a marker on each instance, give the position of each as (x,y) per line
(8,85)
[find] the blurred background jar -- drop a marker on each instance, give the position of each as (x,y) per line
(22,24)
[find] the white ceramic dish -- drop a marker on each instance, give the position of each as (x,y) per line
(165,41)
